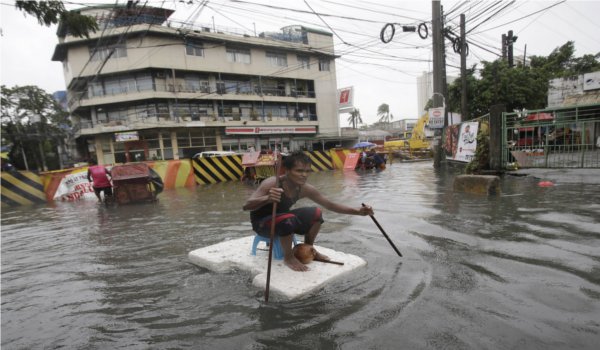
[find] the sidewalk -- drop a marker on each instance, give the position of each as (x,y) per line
(563,175)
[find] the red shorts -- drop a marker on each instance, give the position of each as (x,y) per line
(297,221)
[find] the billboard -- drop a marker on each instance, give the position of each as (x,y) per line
(591,81)
(346,99)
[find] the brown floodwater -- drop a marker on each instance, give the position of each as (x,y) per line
(520,270)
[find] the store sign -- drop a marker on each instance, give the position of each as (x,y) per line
(270,130)
(127,136)
(436,118)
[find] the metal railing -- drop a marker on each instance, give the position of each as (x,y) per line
(553,138)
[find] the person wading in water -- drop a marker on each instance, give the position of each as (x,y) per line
(303,221)
(98,175)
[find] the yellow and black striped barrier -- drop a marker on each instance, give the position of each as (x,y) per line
(217,169)
(21,188)
(320,160)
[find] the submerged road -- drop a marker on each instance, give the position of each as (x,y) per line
(520,270)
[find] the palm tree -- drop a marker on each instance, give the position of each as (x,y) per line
(383,112)
(355,118)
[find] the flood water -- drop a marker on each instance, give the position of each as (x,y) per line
(516,271)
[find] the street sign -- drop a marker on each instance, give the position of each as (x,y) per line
(436,118)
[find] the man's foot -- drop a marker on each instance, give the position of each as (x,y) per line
(321,257)
(294,264)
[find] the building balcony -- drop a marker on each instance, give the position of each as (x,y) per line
(170,91)
(87,127)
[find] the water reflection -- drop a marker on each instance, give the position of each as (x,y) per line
(511,271)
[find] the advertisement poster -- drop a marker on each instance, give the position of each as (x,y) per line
(451,141)
(467,142)
(74,187)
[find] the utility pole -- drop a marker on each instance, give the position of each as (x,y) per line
(504,47)
(463,68)
(437,52)
(510,40)
(507,47)
(439,72)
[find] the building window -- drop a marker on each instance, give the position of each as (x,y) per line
(194,48)
(324,65)
(95,89)
(303,62)
(102,53)
(277,59)
(238,55)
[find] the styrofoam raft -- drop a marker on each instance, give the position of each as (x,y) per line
(285,282)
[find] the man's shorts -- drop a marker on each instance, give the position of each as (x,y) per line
(107,191)
(297,221)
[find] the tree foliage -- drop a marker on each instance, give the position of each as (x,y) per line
(523,86)
(383,112)
(53,12)
(355,118)
(34,123)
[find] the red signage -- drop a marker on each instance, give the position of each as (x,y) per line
(266,130)
(344,96)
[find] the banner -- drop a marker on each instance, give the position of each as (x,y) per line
(127,136)
(451,141)
(74,187)
(467,142)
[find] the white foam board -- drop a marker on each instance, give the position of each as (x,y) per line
(285,282)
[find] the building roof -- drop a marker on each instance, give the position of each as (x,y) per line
(208,36)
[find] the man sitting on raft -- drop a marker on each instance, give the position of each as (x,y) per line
(303,221)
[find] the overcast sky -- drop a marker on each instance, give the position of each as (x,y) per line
(380,73)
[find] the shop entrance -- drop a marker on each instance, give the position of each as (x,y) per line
(136,151)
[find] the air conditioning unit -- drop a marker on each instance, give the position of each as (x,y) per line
(160,75)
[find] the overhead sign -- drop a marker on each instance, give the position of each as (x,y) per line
(346,99)
(436,117)
(270,130)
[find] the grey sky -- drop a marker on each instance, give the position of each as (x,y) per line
(380,73)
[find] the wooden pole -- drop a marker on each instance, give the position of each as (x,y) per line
(384,234)
(272,233)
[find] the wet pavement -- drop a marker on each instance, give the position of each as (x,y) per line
(563,175)
(519,270)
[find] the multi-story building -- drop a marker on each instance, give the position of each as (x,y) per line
(425,90)
(141,88)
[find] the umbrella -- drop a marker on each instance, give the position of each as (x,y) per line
(364,144)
